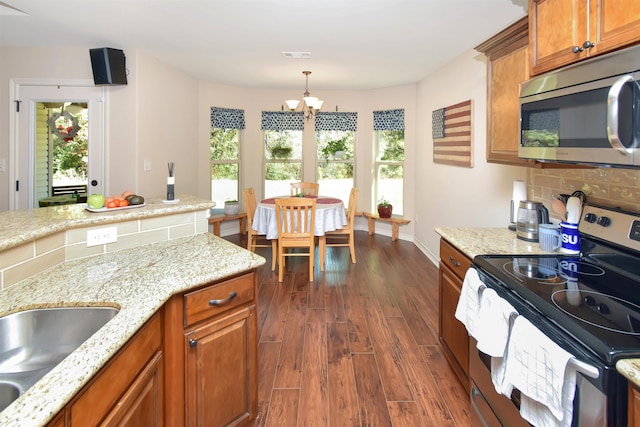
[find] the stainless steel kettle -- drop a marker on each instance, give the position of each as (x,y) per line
(530,215)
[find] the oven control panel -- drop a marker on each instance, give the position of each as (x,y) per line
(612,225)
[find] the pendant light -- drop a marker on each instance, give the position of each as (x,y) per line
(311,103)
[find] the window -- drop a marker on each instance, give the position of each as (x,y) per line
(225,154)
(335,173)
(282,151)
(389,154)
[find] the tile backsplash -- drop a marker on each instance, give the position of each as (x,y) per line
(610,187)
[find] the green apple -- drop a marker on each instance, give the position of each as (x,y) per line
(95,201)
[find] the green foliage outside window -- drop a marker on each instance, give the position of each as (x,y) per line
(224,146)
(70,156)
(392,150)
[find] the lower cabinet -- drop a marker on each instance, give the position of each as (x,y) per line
(453,335)
(128,391)
(211,340)
(634,406)
(194,363)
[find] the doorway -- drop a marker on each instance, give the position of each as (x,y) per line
(59,133)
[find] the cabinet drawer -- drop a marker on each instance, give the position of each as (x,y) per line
(218,298)
(454,259)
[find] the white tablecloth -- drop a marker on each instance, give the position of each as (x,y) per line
(330,216)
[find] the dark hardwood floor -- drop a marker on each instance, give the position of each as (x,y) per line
(359,345)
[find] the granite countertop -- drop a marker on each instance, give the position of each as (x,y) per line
(18,227)
(138,281)
(480,241)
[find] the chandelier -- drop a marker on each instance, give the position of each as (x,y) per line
(311,104)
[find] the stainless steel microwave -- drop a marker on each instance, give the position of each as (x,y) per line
(587,113)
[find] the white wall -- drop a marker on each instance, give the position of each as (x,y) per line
(451,196)
(153,117)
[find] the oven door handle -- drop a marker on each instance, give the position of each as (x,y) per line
(584,368)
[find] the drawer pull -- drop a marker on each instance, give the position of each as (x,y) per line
(456,263)
(231,296)
(193,343)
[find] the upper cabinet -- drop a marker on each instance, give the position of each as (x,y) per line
(565,31)
(507,67)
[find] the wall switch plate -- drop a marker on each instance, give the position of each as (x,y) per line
(102,236)
(2,165)
(147,165)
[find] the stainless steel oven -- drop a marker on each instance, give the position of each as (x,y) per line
(588,304)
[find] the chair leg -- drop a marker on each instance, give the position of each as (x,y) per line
(281,264)
(352,249)
(323,249)
(312,257)
(274,254)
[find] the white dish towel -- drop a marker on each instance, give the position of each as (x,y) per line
(468,308)
(539,368)
(493,318)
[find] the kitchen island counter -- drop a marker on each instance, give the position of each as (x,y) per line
(138,281)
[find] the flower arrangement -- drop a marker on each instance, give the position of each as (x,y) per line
(231,207)
(384,208)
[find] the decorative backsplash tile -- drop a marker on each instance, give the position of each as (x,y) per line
(603,186)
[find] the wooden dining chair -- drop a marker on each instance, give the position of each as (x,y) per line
(296,218)
(344,235)
(255,240)
(305,188)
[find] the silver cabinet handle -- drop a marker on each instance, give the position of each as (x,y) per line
(576,49)
(456,263)
(193,343)
(612,114)
(215,302)
(475,395)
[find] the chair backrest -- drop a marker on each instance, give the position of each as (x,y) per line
(351,208)
(249,197)
(296,218)
(305,188)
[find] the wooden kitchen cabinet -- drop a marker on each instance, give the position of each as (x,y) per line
(507,67)
(634,406)
(452,333)
(212,378)
(562,32)
(128,390)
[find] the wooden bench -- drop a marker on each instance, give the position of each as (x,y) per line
(218,219)
(396,222)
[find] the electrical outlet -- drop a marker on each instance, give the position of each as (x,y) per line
(102,236)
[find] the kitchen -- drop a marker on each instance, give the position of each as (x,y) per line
(486,185)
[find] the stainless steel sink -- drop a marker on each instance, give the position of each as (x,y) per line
(32,342)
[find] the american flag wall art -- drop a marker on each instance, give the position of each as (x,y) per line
(451,131)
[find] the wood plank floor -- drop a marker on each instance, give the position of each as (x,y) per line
(359,345)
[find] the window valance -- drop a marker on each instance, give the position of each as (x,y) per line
(227,118)
(336,121)
(282,120)
(388,119)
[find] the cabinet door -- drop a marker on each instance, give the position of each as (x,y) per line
(634,406)
(453,334)
(221,371)
(142,404)
(556,27)
(505,75)
(614,24)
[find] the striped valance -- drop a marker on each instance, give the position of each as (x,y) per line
(388,119)
(227,118)
(336,121)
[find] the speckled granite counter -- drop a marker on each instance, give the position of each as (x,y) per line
(138,281)
(18,227)
(630,369)
(482,241)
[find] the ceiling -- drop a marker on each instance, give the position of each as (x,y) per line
(354,44)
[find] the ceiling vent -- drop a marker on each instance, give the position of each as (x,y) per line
(297,55)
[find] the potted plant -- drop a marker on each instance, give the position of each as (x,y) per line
(384,208)
(335,148)
(231,207)
(280,151)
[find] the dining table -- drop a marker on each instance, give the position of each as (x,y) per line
(330,216)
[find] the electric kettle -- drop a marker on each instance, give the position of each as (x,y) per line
(530,215)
